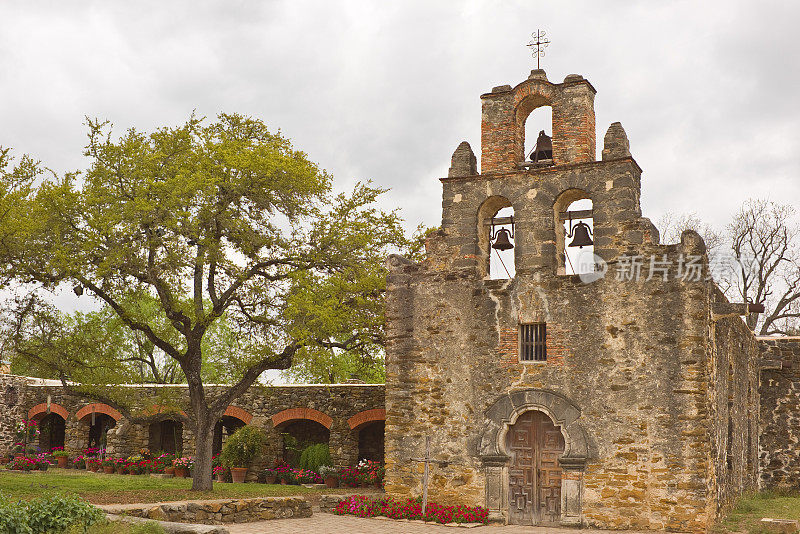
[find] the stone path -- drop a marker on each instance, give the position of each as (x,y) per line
(321,523)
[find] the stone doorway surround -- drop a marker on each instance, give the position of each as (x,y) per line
(495,459)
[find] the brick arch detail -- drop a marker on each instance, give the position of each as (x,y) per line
(98,407)
(298,414)
(40,409)
(367,416)
(239,413)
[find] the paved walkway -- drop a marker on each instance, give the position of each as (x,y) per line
(321,523)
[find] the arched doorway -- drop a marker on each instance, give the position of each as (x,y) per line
(96,419)
(298,435)
(370,441)
(52,428)
(534,445)
(166,436)
(226,426)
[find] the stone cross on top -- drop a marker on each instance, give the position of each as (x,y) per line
(538,45)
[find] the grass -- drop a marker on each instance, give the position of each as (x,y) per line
(125,489)
(752,507)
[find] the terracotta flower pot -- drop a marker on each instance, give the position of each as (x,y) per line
(62,462)
(269,479)
(220,477)
(121,471)
(332,482)
(108,469)
(169,470)
(238,474)
(181,472)
(283,482)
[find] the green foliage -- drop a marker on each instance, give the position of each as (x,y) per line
(242,446)
(51,514)
(315,456)
(219,249)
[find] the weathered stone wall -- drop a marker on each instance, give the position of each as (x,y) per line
(779,441)
(734,406)
(338,404)
(218,512)
(634,373)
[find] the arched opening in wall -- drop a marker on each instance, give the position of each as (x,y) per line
(574,223)
(370,441)
(538,137)
(52,429)
(496,242)
(224,428)
(98,429)
(166,436)
(297,435)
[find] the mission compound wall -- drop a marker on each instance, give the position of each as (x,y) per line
(338,412)
(653,382)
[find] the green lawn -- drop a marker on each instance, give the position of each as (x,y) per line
(751,508)
(122,489)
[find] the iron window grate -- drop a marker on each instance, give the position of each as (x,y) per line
(532,342)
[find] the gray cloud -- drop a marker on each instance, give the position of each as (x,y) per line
(385,91)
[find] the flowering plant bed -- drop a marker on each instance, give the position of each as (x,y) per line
(362,506)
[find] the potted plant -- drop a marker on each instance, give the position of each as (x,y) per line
(108,466)
(330,475)
(61,456)
(240,449)
(182,466)
(270,475)
(220,472)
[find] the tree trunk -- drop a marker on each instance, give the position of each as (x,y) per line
(202,473)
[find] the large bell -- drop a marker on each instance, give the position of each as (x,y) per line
(581,232)
(502,242)
(543,150)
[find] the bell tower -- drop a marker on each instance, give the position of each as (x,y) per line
(541,192)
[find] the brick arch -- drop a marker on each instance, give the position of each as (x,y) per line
(298,414)
(239,413)
(98,407)
(367,416)
(40,409)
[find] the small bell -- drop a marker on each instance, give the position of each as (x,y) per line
(502,241)
(581,231)
(543,150)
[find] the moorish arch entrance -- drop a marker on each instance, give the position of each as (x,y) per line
(534,451)
(534,445)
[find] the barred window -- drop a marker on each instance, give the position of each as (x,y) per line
(532,342)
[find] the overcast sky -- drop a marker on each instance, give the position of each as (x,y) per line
(708,92)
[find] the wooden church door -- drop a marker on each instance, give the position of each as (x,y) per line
(535,445)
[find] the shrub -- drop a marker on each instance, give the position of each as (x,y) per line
(242,447)
(315,456)
(52,514)
(61,452)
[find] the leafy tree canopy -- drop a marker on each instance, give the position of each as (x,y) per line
(193,226)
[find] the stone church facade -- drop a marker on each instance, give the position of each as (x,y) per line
(640,406)
(638,399)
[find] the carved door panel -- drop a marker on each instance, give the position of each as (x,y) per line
(535,445)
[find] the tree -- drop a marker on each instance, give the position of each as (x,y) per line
(763,238)
(211,221)
(758,256)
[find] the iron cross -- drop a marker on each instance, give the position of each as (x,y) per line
(427,460)
(538,45)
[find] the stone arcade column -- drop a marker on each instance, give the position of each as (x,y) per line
(343,443)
